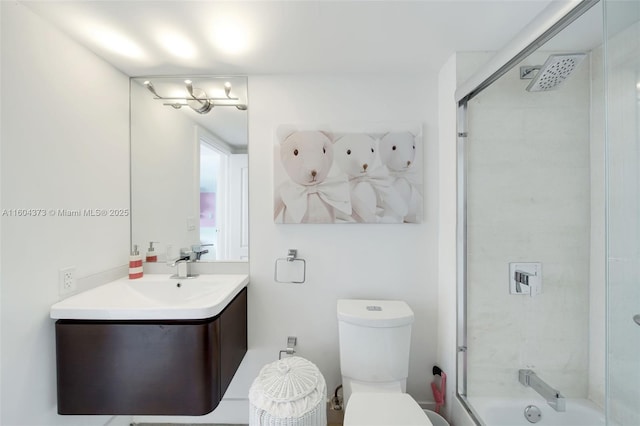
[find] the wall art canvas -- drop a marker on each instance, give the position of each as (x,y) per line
(367,175)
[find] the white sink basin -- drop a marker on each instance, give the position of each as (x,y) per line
(154,296)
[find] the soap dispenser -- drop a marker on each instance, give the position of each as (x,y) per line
(151,256)
(135,264)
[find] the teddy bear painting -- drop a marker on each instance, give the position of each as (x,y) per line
(398,154)
(309,196)
(347,177)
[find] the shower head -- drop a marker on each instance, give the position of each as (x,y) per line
(553,73)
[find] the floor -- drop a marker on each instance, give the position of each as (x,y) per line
(334,418)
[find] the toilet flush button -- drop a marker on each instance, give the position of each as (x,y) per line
(374,308)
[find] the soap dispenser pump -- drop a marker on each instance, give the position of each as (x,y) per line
(135,264)
(151,256)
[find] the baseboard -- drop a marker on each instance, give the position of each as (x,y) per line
(427,405)
(119,421)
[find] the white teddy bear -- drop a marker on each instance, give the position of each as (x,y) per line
(397,152)
(309,196)
(356,154)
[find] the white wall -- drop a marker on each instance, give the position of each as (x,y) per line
(77,157)
(447,192)
(343,261)
(383,261)
(64,146)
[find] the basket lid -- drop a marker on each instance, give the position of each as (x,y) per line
(289,388)
(288,379)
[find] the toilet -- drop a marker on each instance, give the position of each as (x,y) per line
(375,337)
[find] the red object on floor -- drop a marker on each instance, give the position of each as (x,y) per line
(439,393)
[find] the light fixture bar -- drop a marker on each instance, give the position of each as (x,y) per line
(197,98)
(207,98)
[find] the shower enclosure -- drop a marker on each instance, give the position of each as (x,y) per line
(549,222)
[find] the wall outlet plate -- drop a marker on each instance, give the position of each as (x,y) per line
(534,272)
(67,280)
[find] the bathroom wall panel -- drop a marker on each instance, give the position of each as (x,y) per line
(343,261)
(64,146)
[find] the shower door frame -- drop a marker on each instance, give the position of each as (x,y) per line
(544,27)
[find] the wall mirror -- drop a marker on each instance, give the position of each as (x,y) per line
(189,166)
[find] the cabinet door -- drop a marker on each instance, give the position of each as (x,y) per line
(131,368)
(233,338)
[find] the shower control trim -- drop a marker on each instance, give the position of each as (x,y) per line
(525,278)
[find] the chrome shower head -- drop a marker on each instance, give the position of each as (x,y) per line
(553,73)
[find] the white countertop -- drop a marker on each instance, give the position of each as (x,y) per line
(154,296)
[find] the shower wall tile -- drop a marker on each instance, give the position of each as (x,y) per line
(528,200)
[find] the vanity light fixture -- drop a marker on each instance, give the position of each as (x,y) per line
(197,99)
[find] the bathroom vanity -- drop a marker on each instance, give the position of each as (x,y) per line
(142,357)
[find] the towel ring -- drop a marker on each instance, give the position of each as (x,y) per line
(292,256)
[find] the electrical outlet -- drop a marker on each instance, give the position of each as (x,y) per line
(67,280)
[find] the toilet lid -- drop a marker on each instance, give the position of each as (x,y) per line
(384,409)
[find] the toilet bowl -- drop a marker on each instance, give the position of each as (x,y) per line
(384,409)
(436,419)
(375,337)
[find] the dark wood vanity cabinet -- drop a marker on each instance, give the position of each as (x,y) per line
(151,367)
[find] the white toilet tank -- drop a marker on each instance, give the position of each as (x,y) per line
(375,337)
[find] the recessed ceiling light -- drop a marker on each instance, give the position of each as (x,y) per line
(231,37)
(177,45)
(116,42)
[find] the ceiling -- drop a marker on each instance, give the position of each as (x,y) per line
(263,37)
(164,38)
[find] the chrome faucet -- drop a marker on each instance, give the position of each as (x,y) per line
(530,379)
(182,264)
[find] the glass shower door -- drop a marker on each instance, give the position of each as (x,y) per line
(623,211)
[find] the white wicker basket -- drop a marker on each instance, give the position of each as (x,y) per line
(288,392)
